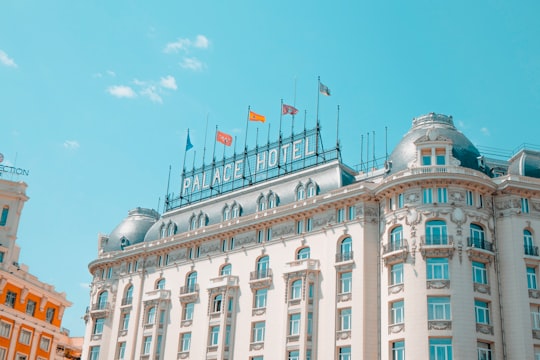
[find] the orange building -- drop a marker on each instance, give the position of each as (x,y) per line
(30,311)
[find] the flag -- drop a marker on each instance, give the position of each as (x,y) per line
(189,145)
(323,89)
(224,138)
(288,109)
(256,117)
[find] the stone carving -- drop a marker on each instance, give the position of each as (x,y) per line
(283,229)
(458,216)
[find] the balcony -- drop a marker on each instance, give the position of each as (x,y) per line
(260,279)
(100,310)
(304,265)
(224,281)
(127,301)
(395,252)
(437,246)
(157,296)
(480,249)
(530,250)
(189,293)
(344,256)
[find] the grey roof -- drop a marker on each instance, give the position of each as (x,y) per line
(132,229)
(433,125)
(525,163)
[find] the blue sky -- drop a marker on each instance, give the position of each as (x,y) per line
(96,96)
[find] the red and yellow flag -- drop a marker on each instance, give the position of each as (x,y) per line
(256,117)
(224,138)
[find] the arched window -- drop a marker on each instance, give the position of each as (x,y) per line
(226,213)
(128,298)
(262,267)
(303,253)
(261,203)
(436,233)
(202,220)
(300,192)
(226,270)
(191,282)
(171,229)
(311,190)
(235,211)
(102,300)
(193,222)
(162,231)
(345,249)
(296,289)
(477,236)
(396,239)
(528,243)
(160,284)
(3,217)
(272,200)
(151,315)
(217,303)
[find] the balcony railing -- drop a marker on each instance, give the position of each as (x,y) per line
(480,244)
(189,293)
(260,279)
(127,301)
(531,250)
(344,256)
(395,246)
(260,274)
(437,240)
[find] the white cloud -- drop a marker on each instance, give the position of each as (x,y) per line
(168,82)
(151,93)
(485,131)
(71,144)
(111,73)
(6,60)
(85,285)
(192,64)
(121,91)
(201,42)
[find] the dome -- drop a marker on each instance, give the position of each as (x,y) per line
(132,229)
(432,127)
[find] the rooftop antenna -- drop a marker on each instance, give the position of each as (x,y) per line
(167,193)
(374,161)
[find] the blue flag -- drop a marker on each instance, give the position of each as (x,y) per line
(189,145)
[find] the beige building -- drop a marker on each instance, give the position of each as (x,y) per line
(297,256)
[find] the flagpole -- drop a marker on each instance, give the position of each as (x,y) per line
(280,140)
(337,132)
(184,167)
(317,119)
(245,148)
(192,171)
(167,195)
(205,136)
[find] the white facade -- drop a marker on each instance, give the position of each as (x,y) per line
(430,258)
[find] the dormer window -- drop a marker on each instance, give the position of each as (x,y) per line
(433,156)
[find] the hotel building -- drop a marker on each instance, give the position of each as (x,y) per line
(30,310)
(286,253)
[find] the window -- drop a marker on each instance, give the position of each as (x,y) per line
(535,317)
(188,311)
(311,190)
(528,243)
(345,353)
(351,213)
(94,353)
(260,298)
(162,231)
(31,307)
(226,270)
(481,308)
(303,253)
(294,324)
(102,300)
(121,350)
(469,197)
(436,233)
(345,249)
(345,282)
(294,355)
(484,351)
(309,224)
(442,195)
(262,267)
(396,239)
(398,350)
(396,274)
(300,193)
(235,211)
(439,308)
(170,229)
(98,326)
(125,321)
(214,335)
(296,289)
(524,205)
(440,349)
(440,157)
(151,315)
(261,203)
(185,343)
(427,196)
(5,329)
(147,345)
(129,295)
(25,336)
(400,201)
(397,313)
(477,236)
(3,217)
(437,269)
(426,157)
(268,234)
(300,226)
(479,272)
(109,272)
(191,282)
(160,284)
(202,220)
(226,213)
(272,201)
(218,301)
(341,215)
(345,319)
(162,317)
(2,258)
(193,223)
(531,278)
(11,297)
(258,332)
